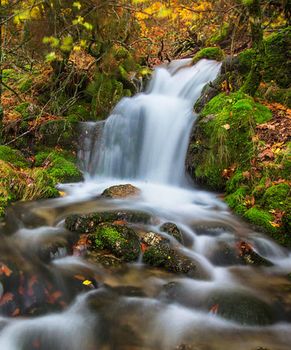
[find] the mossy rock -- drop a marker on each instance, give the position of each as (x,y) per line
(13,156)
(241,308)
(210,53)
(163,256)
(223,137)
(89,222)
(121,241)
(60,167)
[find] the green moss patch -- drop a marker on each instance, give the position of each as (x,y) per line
(12,156)
(210,53)
(224,136)
(122,241)
(60,166)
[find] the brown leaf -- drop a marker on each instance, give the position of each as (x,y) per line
(214,309)
(4,269)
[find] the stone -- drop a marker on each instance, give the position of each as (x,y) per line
(121,191)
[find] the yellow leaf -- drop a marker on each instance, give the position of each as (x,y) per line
(77,5)
(274,224)
(226,126)
(87,282)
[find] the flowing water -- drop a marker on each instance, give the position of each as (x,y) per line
(53,298)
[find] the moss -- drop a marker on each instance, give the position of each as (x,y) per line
(245,59)
(119,240)
(260,218)
(22,108)
(277,63)
(121,52)
(61,132)
(221,34)
(211,53)
(236,200)
(78,112)
(105,92)
(25,84)
(276,196)
(12,156)
(27,184)
(224,136)
(60,169)
(163,256)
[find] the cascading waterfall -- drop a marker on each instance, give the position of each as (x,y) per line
(147,136)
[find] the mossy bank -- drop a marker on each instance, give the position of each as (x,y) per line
(34,177)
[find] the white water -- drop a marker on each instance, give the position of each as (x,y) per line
(146,137)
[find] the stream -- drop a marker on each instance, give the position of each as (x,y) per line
(53,298)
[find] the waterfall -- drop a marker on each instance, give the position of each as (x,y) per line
(146,136)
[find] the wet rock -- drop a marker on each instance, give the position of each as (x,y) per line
(121,241)
(163,256)
(241,308)
(177,292)
(106,260)
(241,253)
(89,222)
(52,249)
(172,230)
(129,291)
(151,238)
(121,191)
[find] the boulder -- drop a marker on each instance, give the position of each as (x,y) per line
(121,191)
(240,307)
(87,223)
(241,254)
(167,258)
(172,230)
(121,241)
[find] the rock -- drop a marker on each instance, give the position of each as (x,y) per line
(121,241)
(121,191)
(177,292)
(240,254)
(240,307)
(88,223)
(106,260)
(172,230)
(163,256)
(152,238)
